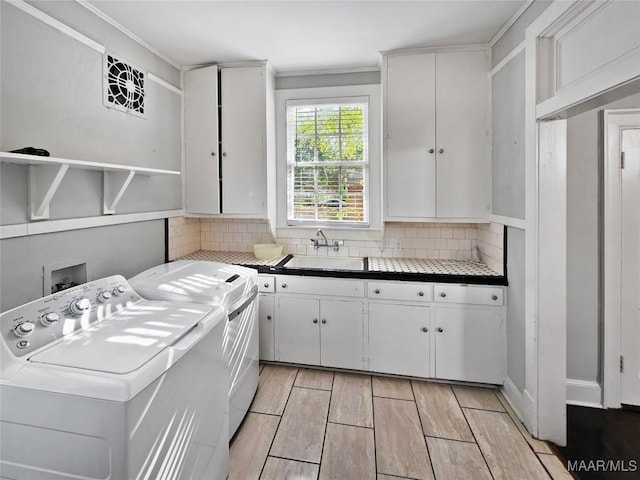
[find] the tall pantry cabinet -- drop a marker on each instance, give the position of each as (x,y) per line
(437,163)
(227,144)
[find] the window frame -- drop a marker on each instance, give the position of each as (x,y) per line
(364,164)
(374,171)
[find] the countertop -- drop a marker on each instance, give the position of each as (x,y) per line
(406,269)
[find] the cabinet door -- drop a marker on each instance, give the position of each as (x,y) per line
(410,136)
(298,330)
(266,315)
(341,334)
(398,342)
(470,344)
(201,165)
(244,167)
(463,167)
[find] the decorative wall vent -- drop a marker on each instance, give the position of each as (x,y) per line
(123,86)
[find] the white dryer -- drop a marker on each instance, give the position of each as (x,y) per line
(231,287)
(97,383)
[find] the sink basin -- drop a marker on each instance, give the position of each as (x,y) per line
(326,263)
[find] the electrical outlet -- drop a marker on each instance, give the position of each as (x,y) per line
(398,244)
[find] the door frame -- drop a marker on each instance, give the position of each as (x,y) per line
(614,121)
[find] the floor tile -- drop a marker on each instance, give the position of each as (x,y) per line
(390,477)
(309,378)
(456,460)
(273,389)
(477,397)
(351,400)
(555,467)
(349,452)
(538,446)
(400,446)
(301,432)
(440,414)
(250,446)
(282,469)
(503,447)
(392,388)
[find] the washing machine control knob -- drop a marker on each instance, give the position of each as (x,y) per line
(104,296)
(79,306)
(49,318)
(119,290)
(24,329)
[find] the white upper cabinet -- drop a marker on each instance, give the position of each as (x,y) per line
(226,164)
(201,168)
(437,163)
(244,165)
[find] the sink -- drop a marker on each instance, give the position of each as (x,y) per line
(326,263)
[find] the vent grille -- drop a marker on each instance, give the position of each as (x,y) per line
(123,86)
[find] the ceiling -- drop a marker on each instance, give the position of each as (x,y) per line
(304,35)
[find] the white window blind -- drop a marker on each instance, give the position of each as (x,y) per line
(328,162)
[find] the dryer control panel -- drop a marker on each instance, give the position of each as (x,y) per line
(33,325)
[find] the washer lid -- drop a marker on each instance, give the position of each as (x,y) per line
(196,281)
(127,340)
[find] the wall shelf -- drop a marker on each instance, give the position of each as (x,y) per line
(46,174)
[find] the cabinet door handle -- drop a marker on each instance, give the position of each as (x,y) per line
(421,294)
(443,294)
(425,329)
(224,154)
(266,285)
(377,290)
(315,320)
(284,285)
(268,317)
(440,330)
(439,151)
(494,297)
(324,320)
(431,150)
(213,154)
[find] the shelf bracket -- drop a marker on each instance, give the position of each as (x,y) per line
(115,184)
(44,181)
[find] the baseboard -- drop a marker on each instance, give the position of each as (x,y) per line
(521,402)
(584,393)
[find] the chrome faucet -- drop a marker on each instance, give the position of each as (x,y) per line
(317,244)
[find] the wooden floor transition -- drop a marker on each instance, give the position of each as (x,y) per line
(309,424)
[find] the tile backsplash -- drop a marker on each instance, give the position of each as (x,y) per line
(455,241)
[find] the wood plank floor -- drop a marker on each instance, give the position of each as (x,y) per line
(317,424)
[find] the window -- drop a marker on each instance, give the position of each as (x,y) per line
(328,161)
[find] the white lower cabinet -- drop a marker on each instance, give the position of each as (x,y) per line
(469,343)
(320,332)
(399,337)
(266,322)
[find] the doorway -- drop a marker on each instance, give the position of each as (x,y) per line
(622,258)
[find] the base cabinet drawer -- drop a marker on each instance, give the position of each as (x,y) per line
(413,292)
(335,287)
(468,294)
(266,283)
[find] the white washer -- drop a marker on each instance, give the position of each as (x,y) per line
(98,383)
(235,289)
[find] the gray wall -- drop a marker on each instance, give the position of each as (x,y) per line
(508,181)
(125,249)
(51,97)
(516,307)
(584,201)
(328,80)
